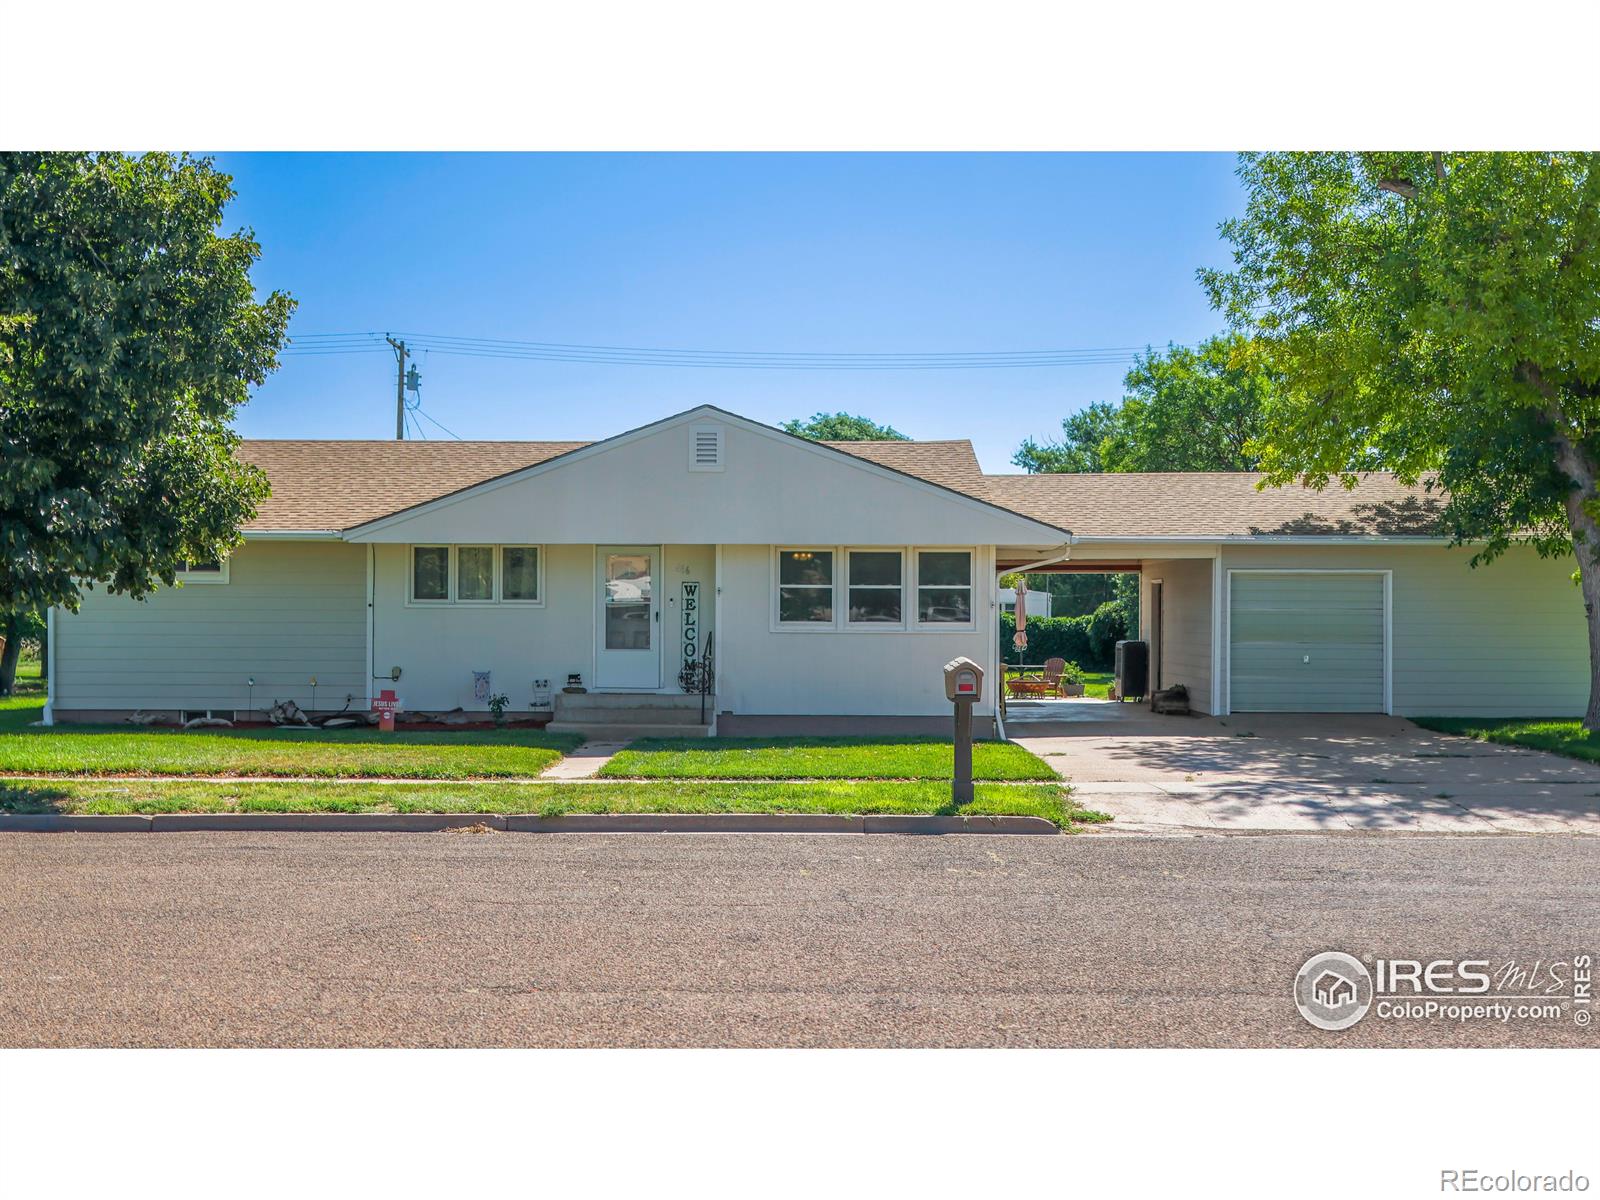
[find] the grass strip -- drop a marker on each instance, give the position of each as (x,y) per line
(899,758)
(1558,737)
(1050,801)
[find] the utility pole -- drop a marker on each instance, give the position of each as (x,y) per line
(400,354)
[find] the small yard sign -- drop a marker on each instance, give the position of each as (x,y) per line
(386,705)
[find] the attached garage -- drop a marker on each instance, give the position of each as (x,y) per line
(1308,641)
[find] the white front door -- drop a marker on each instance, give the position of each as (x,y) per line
(628,620)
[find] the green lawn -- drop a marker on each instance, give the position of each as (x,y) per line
(1051,801)
(1558,737)
(818,758)
(123,750)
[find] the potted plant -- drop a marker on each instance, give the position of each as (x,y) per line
(1073,681)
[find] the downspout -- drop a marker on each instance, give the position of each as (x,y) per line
(372,618)
(50,665)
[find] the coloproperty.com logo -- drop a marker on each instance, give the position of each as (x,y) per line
(1334,990)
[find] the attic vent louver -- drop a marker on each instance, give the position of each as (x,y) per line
(705,448)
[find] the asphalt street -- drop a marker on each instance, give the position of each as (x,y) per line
(451,939)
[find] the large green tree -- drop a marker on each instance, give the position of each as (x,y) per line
(1182,409)
(842,427)
(1437,315)
(130,335)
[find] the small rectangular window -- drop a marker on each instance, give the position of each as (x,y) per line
(475,573)
(805,587)
(208,571)
(876,597)
(519,573)
(430,572)
(944,587)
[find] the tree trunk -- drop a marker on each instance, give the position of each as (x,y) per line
(44,650)
(1586,547)
(12,629)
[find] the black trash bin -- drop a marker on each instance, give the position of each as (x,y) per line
(1133,670)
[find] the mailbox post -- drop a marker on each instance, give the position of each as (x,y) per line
(963,687)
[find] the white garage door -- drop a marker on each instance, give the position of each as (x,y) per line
(1310,642)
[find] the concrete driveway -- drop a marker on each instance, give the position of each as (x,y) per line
(1301,773)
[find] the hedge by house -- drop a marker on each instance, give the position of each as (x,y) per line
(1090,640)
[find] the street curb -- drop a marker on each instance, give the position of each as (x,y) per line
(895,823)
(520,823)
(684,823)
(52,823)
(322,822)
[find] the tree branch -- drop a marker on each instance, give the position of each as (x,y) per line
(1400,187)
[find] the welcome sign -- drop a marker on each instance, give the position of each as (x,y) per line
(691,621)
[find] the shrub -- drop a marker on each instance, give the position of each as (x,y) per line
(1088,642)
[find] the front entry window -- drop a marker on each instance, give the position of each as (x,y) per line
(627,607)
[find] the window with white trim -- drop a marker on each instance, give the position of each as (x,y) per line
(875,587)
(210,571)
(475,573)
(944,587)
(519,574)
(805,587)
(430,574)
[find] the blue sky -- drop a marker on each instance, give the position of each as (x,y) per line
(745,252)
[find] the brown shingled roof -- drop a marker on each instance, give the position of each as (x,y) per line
(1217,504)
(949,464)
(324,485)
(334,485)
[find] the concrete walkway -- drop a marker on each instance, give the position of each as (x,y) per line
(1301,773)
(583,763)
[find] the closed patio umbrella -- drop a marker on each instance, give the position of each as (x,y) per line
(1020,639)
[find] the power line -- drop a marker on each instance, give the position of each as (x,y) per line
(429,416)
(504,348)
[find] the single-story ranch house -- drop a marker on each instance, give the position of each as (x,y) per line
(833,580)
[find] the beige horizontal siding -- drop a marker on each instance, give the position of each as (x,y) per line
(1185,625)
(289,611)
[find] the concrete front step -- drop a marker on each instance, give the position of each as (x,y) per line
(631,716)
(619,731)
(611,712)
(625,700)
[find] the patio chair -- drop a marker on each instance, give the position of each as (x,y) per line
(1038,684)
(1053,669)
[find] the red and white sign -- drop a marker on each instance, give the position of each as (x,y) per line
(386,705)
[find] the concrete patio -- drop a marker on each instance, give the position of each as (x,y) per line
(1301,773)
